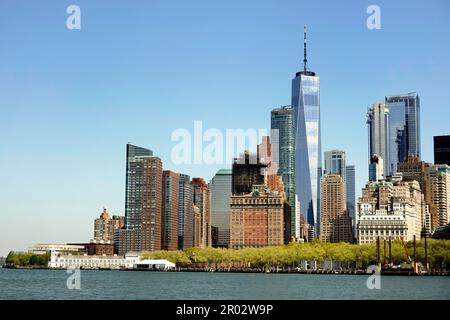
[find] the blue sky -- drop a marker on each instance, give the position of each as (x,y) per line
(70,100)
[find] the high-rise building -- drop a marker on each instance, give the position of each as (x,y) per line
(378,129)
(143,201)
(220,187)
(440,184)
(335,162)
(335,225)
(201,199)
(412,169)
(197,224)
(104,227)
(390,209)
(404,128)
(257,219)
(283,140)
(133,213)
(442,150)
(185,213)
(308,151)
(350,186)
(170,202)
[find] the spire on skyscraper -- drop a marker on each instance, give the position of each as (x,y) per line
(304,49)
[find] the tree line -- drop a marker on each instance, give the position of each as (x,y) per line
(292,254)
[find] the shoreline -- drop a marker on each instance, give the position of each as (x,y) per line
(404,272)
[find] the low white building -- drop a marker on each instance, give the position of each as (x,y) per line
(65,261)
(154,264)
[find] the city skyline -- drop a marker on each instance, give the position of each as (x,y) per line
(49,101)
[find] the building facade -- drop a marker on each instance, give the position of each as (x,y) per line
(247,171)
(390,210)
(350,189)
(257,219)
(308,150)
(442,149)
(440,184)
(220,187)
(201,199)
(283,141)
(185,213)
(336,225)
(170,202)
(404,128)
(413,169)
(143,202)
(104,227)
(336,163)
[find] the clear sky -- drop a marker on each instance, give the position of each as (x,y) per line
(70,100)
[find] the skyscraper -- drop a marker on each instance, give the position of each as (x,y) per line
(185,213)
(404,127)
(336,225)
(282,125)
(170,202)
(220,188)
(132,208)
(143,201)
(378,129)
(335,162)
(247,170)
(308,153)
(442,150)
(350,186)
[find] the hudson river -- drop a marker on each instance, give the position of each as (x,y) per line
(52,284)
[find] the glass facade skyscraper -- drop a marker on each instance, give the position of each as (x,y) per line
(220,188)
(283,140)
(308,153)
(404,128)
(378,129)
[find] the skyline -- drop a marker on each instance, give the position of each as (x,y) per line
(63,115)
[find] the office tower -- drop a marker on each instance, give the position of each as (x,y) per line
(133,211)
(247,171)
(143,201)
(170,202)
(390,209)
(376,168)
(335,162)
(104,227)
(185,213)
(440,184)
(335,225)
(378,129)
(442,150)
(350,186)
(414,169)
(220,187)
(257,218)
(308,153)
(404,127)
(201,199)
(283,140)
